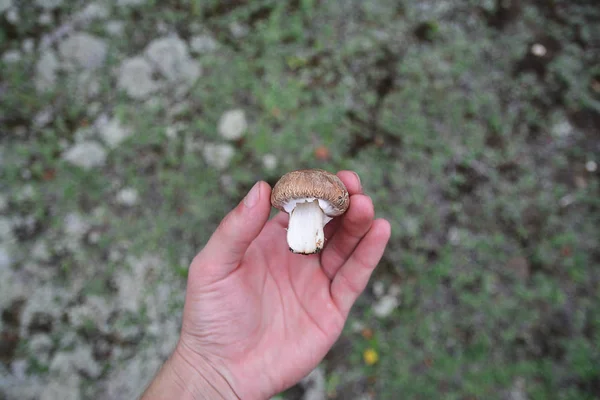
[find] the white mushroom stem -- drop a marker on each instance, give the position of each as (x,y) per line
(305,230)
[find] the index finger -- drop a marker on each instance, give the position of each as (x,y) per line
(351,181)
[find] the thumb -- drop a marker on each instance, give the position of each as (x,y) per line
(228,244)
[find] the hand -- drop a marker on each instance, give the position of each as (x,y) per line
(257,318)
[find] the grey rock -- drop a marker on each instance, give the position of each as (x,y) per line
(172,131)
(203,44)
(5,5)
(46,19)
(135,78)
(6,232)
(385,306)
(113,133)
(83,50)
(12,16)
(49,4)
(75,226)
(27,192)
(11,56)
(269,162)
(40,251)
(238,30)
(132,282)
(28,45)
(19,369)
(46,70)
(86,84)
(378,288)
(3,203)
(314,385)
(218,155)
(40,345)
(130,380)
(190,72)
(114,28)
(44,117)
(80,360)
(518,390)
(65,388)
(127,197)
(168,55)
(6,259)
(13,388)
(232,124)
(562,129)
(130,2)
(93,11)
(44,303)
(86,155)
(95,310)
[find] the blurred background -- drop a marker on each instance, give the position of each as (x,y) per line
(129,128)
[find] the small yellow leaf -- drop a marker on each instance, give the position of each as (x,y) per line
(370,356)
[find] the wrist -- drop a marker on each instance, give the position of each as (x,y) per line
(187,376)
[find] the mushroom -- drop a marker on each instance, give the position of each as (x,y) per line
(312,198)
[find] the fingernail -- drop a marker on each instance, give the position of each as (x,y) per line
(358,178)
(253,196)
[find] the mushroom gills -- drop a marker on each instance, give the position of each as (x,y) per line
(305,229)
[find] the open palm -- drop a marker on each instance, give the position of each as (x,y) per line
(264,317)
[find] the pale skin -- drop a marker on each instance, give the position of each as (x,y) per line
(257,318)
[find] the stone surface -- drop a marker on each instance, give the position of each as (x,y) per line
(80,360)
(86,155)
(46,18)
(41,345)
(133,281)
(232,124)
(169,55)
(238,30)
(94,11)
(203,44)
(129,380)
(49,4)
(66,388)
(83,50)
(95,310)
(269,162)
(114,27)
(127,197)
(218,155)
(5,5)
(135,78)
(112,132)
(11,56)
(314,385)
(378,288)
(385,306)
(130,2)
(28,45)
(46,69)
(75,226)
(170,58)
(12,16)
(6,259)
(42,309)
(86,84)
(40,251)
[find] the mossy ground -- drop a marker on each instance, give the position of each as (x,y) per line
(478,150)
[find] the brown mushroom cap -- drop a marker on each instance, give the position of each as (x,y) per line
(311,183)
